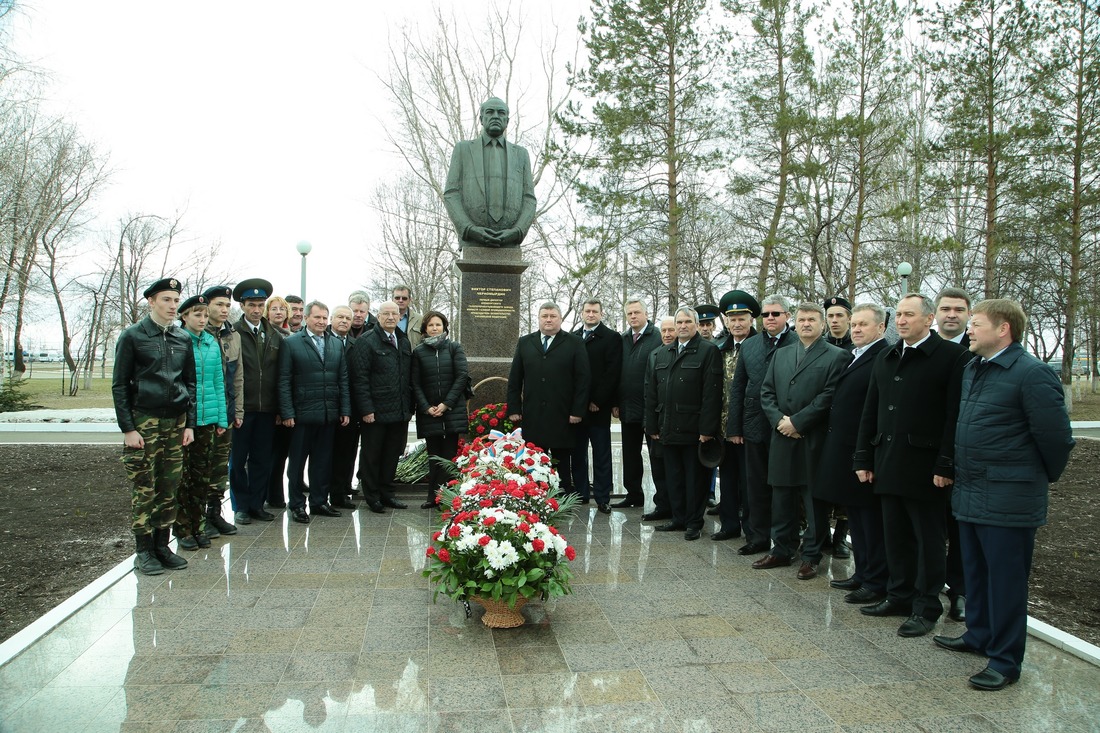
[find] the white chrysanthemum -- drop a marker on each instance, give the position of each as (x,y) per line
(501,555)
(465,542)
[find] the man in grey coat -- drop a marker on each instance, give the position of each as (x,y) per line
(795,396)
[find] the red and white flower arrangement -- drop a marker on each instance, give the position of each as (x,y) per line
(497,538)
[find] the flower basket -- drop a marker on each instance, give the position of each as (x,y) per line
(490,417)
(497,540)
(498,615)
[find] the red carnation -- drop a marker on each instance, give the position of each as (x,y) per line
(539,545)
(553,503)
(553,530)
(494,422)
(500,414)
(481,428)
(446,556)
(454,531)
(570,553)
(436,535)
(430,552)
(485,503)
(523,527)
(484,540)
(489,521)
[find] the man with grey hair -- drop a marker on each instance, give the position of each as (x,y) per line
(548,388)
(746,423)
(639,341)
(680,414)
(905,450)
(362,320)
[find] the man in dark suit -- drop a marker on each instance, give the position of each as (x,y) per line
(662,506)
(250,475)
(380,369)
(680,414)
(490,195)
(604,349)
(906,450)
(739,309)
(746,423)
(1012,440)
(345,442)
(639,341)
(548,388)
(313,399)
(952,315)
(362,320)
(795,396)
(834,481)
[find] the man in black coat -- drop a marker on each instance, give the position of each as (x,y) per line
(906,450)
(604,349)
(380,368)
(746,423)
(681,413)
(313,399)
(835,482)
(638,342)
(345,442)
(548,387)
(362,320)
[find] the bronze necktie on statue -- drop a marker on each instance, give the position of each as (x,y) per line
(496,180)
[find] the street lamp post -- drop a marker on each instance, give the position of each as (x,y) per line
(304,248)
(904,271)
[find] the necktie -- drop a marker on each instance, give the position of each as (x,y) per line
(496,181)
(736,348)
(587,335)
(320,344)
(636,337)
(545,343)
(680,349)
(393,340)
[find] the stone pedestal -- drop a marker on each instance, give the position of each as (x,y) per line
(488,317)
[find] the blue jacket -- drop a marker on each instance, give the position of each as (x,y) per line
(210,405)
(1012,439)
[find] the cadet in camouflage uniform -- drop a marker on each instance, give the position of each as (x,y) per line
(219,299)
(153,386)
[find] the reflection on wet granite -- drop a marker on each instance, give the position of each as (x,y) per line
(331,627)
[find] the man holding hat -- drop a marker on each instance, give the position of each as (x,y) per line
(219,299)
(260,344)
(838,315)
(739,309)
(153,386)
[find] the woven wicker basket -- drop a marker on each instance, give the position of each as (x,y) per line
(498,615)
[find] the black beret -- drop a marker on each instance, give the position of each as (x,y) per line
(192,302)
(738,301)
(254,288)
(830,302)
(161,286)
(707,311)
(217,291)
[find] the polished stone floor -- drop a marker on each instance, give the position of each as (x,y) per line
(331,627)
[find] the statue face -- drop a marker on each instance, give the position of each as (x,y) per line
(494,117)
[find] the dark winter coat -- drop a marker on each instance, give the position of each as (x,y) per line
(380,377)
(605,357)
(440,375)
(907,430)
(681,390)
(802,390)
(632,377)
(1012,440)
(835,480)
(154,374)
(312,392)
(260,362)
(545,389)
(745,418)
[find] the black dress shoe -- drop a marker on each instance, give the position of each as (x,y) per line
(691,534)
(886,608)
(430,505)
(753,548)
(916,626)
(299,515)
(277,504)
(670,527)
(262,515)
(603,508)
(954,644)
(324,510)
(864,595)
(394,504)
(725,534)
(712,503)
(655,516)
(627,503)
(342,502)
(846,584)
(377,507)
(991,680)
(714,511)
(957,611)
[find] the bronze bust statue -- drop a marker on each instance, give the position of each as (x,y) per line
(490,195)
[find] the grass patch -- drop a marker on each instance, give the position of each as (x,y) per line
(49,390)
(1086,403)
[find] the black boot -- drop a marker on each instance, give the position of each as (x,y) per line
(840,540)
(215,525)
(167,558)
(145,562)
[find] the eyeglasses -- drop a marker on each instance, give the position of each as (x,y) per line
(400,297)
(773,314)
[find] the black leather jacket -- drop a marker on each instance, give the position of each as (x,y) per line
(154,374)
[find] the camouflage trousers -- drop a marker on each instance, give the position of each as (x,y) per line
(199,460)
(155,471)
(219,467)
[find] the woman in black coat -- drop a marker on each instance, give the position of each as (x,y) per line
(440,379)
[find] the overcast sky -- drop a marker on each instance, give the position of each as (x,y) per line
(261,118)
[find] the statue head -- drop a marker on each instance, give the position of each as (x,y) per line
(494,116)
